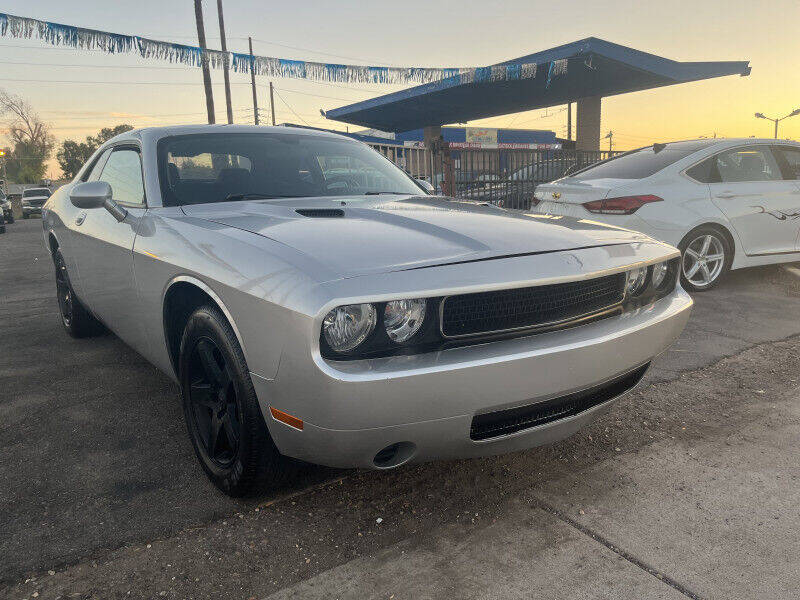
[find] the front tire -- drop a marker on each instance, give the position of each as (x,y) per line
(76,319)
(10,219)
(223,417)
(25,215)
(706,256)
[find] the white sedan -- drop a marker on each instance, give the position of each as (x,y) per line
(726,204)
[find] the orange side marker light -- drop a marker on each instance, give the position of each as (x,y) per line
(283,417)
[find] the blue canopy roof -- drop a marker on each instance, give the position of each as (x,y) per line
(594,67)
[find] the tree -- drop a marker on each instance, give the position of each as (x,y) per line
(31,142)
(73,155)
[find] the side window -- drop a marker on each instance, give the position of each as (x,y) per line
(753,163)
(123,172)
(705,172)
(94,172)
(791,158)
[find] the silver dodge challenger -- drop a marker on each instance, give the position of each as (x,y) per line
(313,301)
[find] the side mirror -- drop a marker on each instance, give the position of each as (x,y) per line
(426,185)
(96,194)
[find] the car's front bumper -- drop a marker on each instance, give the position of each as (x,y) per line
(31,210)
(427,401)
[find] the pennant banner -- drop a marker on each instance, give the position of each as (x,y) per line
(58,34)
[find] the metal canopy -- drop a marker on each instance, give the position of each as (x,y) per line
(595,67)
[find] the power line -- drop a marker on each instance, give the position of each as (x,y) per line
(84,66)
(290,108)
(111,82)
(311,94)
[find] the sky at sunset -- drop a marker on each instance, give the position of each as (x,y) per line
(79,92)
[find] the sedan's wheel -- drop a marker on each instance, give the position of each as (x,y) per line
(77,321)
(10,219)
(222,413)
(706,257)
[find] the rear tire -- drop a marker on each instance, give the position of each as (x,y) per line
(75,318)
(10,219)
(223,417)
(706,257)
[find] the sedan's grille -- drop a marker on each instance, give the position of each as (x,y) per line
(505,310)
(504,422)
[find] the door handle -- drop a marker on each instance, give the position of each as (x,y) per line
(725,195)
(80,219)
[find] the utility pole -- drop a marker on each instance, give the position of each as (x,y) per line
(271,103)
(610,138)
(226,75)
(253,80)
(201,38)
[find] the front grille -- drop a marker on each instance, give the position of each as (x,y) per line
(504,422)
(505,310)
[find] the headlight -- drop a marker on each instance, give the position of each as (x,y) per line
(345,327)
(403,318)
(635,282)
(659,273)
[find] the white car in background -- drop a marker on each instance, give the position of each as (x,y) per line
(726,204)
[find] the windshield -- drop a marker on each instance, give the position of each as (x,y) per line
(643,162)
(36,192)
(202,168)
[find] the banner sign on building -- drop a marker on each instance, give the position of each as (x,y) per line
(481,135)
(501,146)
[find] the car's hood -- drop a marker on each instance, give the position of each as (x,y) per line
(360,235)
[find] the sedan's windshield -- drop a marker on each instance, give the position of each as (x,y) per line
(201,168)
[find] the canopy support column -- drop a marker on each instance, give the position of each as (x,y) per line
(587,135)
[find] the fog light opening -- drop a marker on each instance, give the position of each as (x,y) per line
(394,455)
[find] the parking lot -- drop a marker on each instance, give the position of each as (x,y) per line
(688,487)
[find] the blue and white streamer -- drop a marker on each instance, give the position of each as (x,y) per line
(58,34)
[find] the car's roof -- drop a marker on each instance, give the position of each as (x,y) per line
(708,142)
(156,133)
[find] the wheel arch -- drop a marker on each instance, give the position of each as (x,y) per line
(725,231)
(52,242)
(182,296)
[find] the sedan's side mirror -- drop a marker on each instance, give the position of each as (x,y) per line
(427,185)
(96,194)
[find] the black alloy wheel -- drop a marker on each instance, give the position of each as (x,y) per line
(75,318)
(223,416)
(214,406)
(63,292)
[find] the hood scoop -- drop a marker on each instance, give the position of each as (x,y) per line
(321,213)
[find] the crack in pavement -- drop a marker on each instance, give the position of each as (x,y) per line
(601,539)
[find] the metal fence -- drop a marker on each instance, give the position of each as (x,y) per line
(506,177)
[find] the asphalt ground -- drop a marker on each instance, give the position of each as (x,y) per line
(687,488)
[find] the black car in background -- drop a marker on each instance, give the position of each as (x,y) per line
(33,199)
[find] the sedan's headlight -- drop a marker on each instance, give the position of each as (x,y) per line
(403,318)
(345,327)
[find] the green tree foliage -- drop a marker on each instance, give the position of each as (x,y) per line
(31,142)
(72,155)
